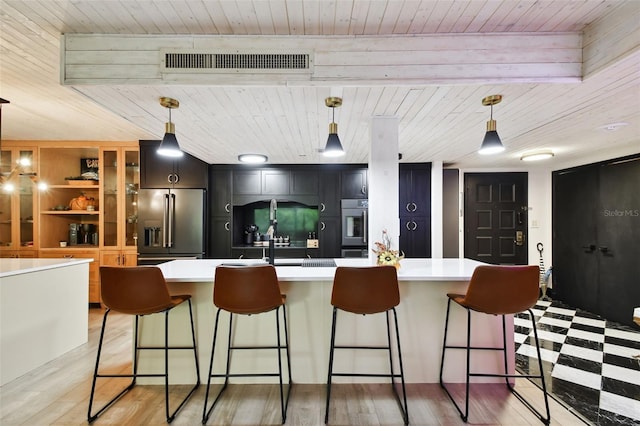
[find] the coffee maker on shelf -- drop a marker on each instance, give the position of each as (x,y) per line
(83,233)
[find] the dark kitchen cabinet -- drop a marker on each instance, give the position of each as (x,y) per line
(157,171)
(415,209)
(304,182)
(595,238)
(353,183)
(275,182)
(220,212)
(247,182)
(329,236)
(329,194)
(415,236)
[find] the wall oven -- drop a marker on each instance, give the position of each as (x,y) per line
(354,223)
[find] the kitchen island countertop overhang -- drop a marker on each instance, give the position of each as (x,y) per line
(424,284)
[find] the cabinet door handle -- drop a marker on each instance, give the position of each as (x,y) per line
(414,207)
(407,226)
(226,208)
(226,226)
(322,226)
(604,249)
(241,256)
(590,248)
(364,189)
(68,256)
(415,226)
(407,207)
(322,207)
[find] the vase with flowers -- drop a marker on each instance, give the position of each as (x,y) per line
(385,255)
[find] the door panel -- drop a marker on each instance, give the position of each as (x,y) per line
(617,248)
(495,217)
(575,262)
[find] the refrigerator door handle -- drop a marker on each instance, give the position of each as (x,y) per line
(165,217)
(172,212)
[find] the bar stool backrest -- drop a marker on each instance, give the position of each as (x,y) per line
(365,290)
(246,289)
(137,290)
(500,290)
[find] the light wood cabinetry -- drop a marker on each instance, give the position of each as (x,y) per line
(92,218)
(119,213)
(17,200)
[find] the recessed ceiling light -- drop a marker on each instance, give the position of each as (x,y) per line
(537,155)
(612,127)
(252,158)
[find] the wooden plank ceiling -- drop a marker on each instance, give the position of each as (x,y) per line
(407,43)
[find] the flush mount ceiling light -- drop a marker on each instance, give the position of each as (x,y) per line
(169,146)
(537,155)
(333,147)
(491,143)
(252,158)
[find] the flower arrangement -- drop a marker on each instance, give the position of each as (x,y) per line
(384,254)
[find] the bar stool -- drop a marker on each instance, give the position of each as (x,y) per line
(140,291)
(248,290)
(367,291)
(498,290)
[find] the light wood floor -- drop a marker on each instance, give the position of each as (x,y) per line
(58,392)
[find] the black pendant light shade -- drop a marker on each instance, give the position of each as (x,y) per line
(333,147)
(169,146)
(491,144)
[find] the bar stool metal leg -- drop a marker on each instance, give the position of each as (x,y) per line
(284,401)
(170,416)
(468,374)
(401,403)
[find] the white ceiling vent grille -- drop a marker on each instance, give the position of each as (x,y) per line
(225,62)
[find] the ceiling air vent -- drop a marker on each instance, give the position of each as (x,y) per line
(225,62)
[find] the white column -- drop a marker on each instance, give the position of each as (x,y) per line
(436,210)
(383,181)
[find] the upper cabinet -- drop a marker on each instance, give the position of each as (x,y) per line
(69,208)
(120,184)
(353,183)
(168,172)
(17,201)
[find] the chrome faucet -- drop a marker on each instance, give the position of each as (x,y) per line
(273,221)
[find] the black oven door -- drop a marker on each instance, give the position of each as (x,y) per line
(354,227)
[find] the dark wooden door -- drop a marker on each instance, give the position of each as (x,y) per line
(618,244)
(495,217)
(575,259)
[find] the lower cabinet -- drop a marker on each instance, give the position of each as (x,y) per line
(415,236)
(330,236)
(18,254)
(118,258)
(94,267)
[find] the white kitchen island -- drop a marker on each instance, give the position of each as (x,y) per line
(44,311)
(424,284)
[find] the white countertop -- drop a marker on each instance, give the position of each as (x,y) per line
(17,266)
(202,270)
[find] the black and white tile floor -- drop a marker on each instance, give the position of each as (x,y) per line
(590,364)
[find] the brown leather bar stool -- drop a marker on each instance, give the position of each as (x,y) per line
(140,291)
(498,290)
(367,291)
(248,290)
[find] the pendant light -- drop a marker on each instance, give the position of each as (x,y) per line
(333,147)
(491,143)
(169,146)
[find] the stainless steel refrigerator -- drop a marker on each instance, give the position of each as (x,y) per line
(171,224)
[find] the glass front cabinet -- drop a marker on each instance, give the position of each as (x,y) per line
(120,171)
(18,186)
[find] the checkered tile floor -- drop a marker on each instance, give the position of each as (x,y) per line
(591,364)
